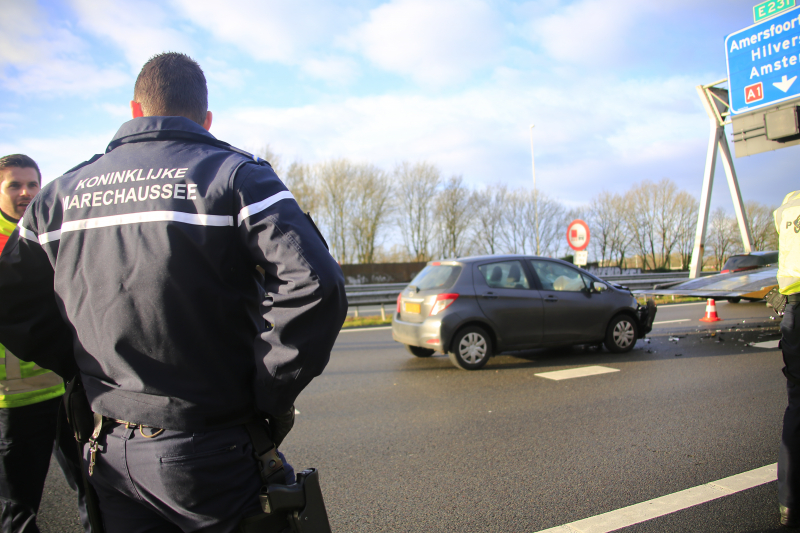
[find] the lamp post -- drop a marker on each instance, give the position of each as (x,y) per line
(535,197)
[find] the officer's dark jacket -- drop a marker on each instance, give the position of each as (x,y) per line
(142,262)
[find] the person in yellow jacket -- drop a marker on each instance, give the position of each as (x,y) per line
(787,222)
(30,396)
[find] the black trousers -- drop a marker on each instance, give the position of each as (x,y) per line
(789,455)
(176,481)
(27,436)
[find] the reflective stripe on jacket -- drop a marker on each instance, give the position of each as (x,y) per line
(787,222)
(23,383)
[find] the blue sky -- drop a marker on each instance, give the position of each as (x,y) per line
(609,84)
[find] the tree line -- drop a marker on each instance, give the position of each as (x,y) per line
(414,213)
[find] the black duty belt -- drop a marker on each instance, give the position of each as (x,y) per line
(793,298)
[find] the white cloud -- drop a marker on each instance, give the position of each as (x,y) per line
(46,59)
(140,28)
(273,30)
(56,155)
(589,32)
(436,42)
(483,133)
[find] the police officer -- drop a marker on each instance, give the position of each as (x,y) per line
(787,221)
(30,399)
(143,261)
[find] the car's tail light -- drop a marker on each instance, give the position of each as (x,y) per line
(399,296)
(724,271)
(443,301)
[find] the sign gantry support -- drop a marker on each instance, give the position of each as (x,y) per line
(715,102)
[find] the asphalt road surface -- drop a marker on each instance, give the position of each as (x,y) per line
(408,444)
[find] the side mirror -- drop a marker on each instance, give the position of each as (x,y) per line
(599,287)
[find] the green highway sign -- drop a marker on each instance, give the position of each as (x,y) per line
(770,8)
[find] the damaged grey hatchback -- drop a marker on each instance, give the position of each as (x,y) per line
(475,307)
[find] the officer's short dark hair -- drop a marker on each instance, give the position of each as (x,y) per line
(172,84)
(20,161)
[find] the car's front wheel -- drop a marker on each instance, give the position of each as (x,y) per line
(472,348)
(418,351)
(621,334)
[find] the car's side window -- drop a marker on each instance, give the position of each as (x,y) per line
(557,277)
(505,275)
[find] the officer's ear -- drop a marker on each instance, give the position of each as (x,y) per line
(207,123)
(136,109)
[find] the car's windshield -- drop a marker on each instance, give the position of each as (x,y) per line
(436,277)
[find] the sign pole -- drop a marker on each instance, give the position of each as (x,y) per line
(736,195)
(708,183)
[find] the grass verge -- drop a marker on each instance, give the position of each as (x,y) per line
(364,321)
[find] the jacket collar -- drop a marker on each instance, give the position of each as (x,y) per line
(160,128)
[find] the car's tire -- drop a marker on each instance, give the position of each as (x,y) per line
(621,334)
(734,300)
(419,351)
(472,348)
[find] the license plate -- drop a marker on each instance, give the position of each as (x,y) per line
(410,307)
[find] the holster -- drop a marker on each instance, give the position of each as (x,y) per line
(299,506)
(79,412)
(82,421)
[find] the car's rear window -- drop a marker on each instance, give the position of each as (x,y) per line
(436,277)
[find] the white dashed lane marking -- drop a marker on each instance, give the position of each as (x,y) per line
(672,321)
(641,512)
(581,372)
(766,344)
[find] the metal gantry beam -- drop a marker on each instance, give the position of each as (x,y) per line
(715,102)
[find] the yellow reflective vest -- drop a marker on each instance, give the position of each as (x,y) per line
(787,222)
(23,383)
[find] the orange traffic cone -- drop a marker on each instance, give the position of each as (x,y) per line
(711,312)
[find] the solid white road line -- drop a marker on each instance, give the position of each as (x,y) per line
(766,344)
(683,305)
(365,329)
(640,512)
(671,321)
(570,373)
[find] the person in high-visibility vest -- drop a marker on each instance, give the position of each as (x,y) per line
(30,397)
(787,222)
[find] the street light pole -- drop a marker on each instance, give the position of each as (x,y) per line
(535,196)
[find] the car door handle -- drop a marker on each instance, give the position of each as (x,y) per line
(490,296)
(551,299)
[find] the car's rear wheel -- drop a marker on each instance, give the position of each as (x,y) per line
(472,348)
(621,334)
(419,351)
(734,300)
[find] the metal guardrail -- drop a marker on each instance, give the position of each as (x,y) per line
(386,293)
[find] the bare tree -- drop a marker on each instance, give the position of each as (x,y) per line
(371,205)
(722,233)
(762,226)
(516,229)
(639,212)
(299,179)
(417,186)
(266,153)
(687,206)
(337,192)
(489,207)
(552,220)
(455,206)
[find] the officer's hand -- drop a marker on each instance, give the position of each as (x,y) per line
(281,425)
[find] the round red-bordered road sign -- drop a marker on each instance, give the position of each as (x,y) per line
(578,235)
